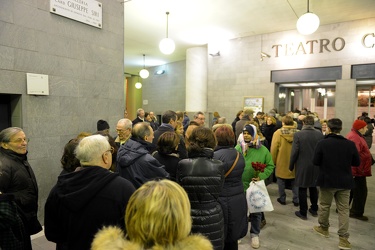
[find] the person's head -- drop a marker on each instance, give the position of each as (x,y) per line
(360,126)
(94,150)
(248,133)
(13,138)
(83,135)
(180,116)
(324,122)
(199,118)
(169,117)
(308,120)
(69,161)
(125,113)
(158,214)
(179,128)
(260,115)
(124,129)
(335,125)
(200,138)
(168,143)
(102,125)
(239,114)
(364,114)
(140,113)
(287,121)
(224,136)
(147,117)
(216,114)
(271,120)
(248,113)
(152,115)
(113,144)
(189,130)
(143,131)
(222,120)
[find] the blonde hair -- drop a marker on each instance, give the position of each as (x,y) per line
(158,214)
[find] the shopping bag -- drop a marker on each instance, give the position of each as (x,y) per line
(257,197)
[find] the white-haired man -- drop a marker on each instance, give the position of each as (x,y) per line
(91,196)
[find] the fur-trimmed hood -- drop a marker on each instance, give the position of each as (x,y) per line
(113,238)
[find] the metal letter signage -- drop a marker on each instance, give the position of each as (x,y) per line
(85,11)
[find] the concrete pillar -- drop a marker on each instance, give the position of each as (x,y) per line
(196,79)
(346,103)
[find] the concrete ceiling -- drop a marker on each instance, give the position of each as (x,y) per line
(194,23)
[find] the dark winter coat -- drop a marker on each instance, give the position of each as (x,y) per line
(303,147)
(368,134)
(232,198)
(12,231)
(365,156)
(335,155)
(267,131)
(170,161)
(137,120)
(168,128)
(83,202)
(135,164)
(203,178)
(17,178)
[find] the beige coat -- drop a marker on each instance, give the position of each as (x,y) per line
(281,148)
(113,238)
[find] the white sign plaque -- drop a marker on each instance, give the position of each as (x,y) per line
(85,11)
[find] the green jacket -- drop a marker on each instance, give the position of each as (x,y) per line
(256,155)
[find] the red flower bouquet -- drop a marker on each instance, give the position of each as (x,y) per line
(258,167)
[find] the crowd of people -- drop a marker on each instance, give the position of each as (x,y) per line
(179,184)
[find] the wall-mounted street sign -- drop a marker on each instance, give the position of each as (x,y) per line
(85,11)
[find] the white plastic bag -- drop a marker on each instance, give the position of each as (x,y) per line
(257,197)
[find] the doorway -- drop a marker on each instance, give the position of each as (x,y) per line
(10,111)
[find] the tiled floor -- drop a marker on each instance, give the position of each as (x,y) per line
(286,231)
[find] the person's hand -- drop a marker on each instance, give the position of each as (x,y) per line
(255,179)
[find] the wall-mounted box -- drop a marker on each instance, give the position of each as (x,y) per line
(37,84)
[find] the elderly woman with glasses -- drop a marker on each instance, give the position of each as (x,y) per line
(18,179)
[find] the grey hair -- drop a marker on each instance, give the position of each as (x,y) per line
(197,114)
(139,111)
(91,148)
(141,129)
(7,133)
(127,123)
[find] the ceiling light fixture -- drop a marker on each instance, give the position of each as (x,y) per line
(308,23)
(138,84)
(160,72)
(144,72)
(167,45)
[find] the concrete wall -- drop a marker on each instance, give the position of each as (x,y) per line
(86,81)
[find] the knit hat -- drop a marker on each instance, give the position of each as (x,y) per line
(251,129)
(358,124)
(102,125)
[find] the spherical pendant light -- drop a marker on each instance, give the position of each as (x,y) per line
(167,45)
(308,23)
(144,72)
(138,85)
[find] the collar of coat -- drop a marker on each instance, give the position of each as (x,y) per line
(112,238)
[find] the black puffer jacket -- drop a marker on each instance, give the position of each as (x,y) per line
(232,197)
(202,178)
(17,178)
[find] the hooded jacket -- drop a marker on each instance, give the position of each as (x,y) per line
(202,178)
(281,149)
(113,238)
(365,156)
(82,202)
(135,164)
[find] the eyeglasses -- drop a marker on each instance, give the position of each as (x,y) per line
(20,140)
(112,150)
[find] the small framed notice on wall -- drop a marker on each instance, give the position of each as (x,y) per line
(253,102)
